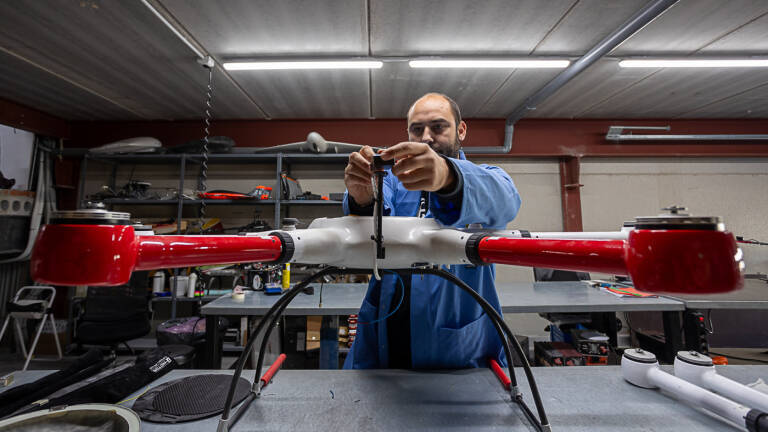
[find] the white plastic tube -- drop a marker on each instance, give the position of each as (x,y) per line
(649,375)
(707,377)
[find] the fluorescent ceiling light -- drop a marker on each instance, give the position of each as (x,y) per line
(304,64)
(693,63)
(508,64)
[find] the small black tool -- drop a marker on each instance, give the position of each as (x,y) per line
(379,173)
(380,164)
(309,290)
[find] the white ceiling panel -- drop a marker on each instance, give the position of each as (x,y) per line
(405,27)
(308,94)
(34,87)
(748,104)
(691,25)
(598,83)
(586,24)
(118,49)
(671,92)
(115,60)
(396,86)
(750,39)
(243,28)
(520,85)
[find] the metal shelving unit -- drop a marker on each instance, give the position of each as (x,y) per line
(280,161)
(238,156)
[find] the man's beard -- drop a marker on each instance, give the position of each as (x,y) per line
(452,152)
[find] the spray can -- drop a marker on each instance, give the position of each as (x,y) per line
(158,282)
(192,285)
(286,276)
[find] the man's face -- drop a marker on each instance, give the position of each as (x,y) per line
(431,121)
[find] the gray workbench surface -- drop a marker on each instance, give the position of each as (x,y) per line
(338,299)
(342,299)
(577,399)
(754,295)
(535,297)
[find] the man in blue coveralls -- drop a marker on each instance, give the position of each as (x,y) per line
(425,322)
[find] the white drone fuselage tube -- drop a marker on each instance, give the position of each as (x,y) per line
(702,373)
(346,241)
(641,369)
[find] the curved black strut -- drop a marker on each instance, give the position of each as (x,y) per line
(271,317)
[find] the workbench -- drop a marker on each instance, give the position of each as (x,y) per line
(516,297)
(749,301)
(472,399)
(754,295)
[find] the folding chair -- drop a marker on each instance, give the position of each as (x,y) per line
(27,305)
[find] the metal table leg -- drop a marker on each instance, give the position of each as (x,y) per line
(213,343)
(673,335)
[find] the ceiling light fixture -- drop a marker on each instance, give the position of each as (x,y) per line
(304,65)
(505,64)
(693,63)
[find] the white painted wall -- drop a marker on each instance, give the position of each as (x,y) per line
(735,189)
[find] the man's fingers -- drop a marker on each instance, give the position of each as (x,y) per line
(404,149)
(419,185)
(366,152)
(359,161)
(411,163)
(357,177)
(418,179)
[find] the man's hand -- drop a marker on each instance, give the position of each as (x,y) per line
(419,167)
(357,176)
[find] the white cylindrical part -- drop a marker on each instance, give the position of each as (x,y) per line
(696,395)
(192,285)
(697,369)
(158,282)
(736,391)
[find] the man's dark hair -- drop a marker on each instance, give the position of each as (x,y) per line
(454,109)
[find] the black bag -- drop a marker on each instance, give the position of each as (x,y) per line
(181,331)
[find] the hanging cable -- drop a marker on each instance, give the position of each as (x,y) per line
(207,63)
(270,319)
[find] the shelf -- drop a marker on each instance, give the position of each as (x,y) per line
(125,201)
(186,299)
(174,201)
(240,156)
(311,202)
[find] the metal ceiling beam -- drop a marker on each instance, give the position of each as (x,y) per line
(198,52)
(639,20)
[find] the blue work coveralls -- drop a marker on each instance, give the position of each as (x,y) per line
(448,328)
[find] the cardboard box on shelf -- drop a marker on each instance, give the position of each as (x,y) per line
(313,332)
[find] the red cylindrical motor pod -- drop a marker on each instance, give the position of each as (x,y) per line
(96,255)
(98,247)
(684,261)
(604,256)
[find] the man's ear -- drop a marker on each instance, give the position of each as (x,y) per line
(462,130)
